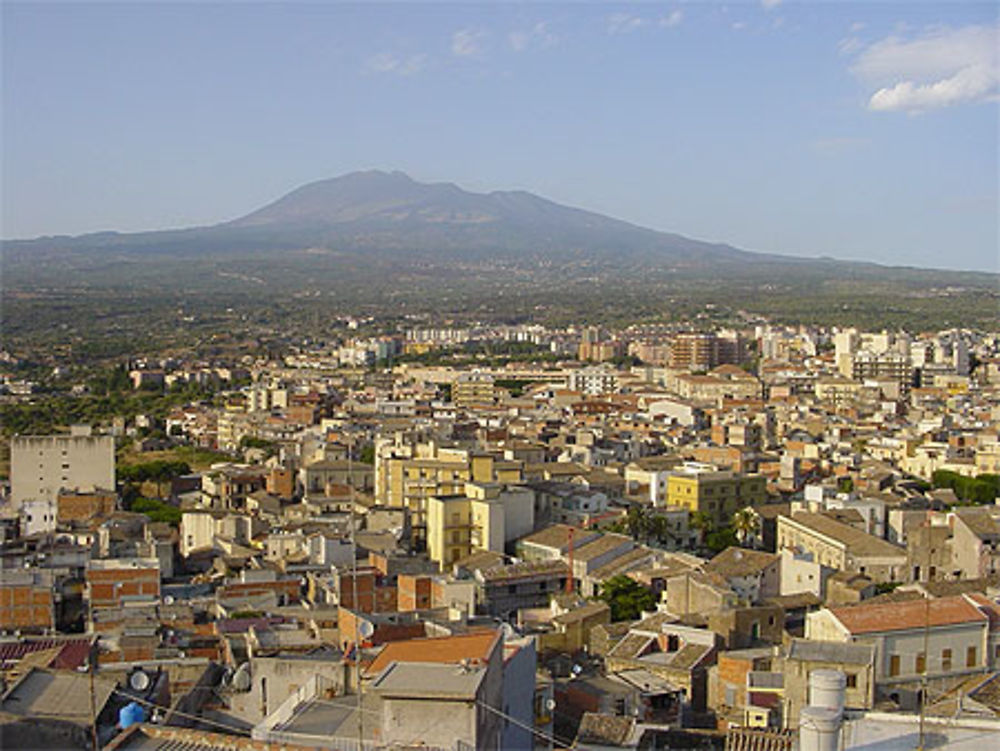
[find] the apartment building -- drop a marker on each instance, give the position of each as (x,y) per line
(410,482)
(486,516)
(719,494)
(42,466)
(473,391)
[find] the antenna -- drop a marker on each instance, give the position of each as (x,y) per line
(354,583)
(569,579)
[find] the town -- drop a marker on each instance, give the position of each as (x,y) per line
(486,535)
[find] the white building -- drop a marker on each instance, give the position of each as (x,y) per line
(41,466)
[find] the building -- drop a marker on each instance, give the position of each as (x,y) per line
(114,581)
(474,391)
(410,482)
(42,466)
(975,543)
(594,381)
(857,661)
(486,516)
(840,546)
(718,494)
(27,601)
(946,637)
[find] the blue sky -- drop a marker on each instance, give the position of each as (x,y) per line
(852,130)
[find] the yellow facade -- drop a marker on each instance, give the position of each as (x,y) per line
(412,482)
(717,494)
(458,526)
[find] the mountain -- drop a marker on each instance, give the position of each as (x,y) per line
(374,226)
(389,213)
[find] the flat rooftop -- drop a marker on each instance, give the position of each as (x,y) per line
(422,680)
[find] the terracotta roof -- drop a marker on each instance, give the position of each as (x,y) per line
(477,645)
(71,655)
(557,536)
(899,616)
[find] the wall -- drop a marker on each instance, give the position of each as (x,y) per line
(42,465)
(518,695)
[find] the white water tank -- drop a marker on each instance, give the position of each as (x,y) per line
(826,689)
(819,729)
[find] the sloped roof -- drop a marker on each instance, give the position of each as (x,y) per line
(735,561)
(477,645)
(604,729)
(913,614)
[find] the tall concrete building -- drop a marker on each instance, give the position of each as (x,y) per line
(41,466)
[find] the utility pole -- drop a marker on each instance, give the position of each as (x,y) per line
(569,580)
(93,698)
(927,629)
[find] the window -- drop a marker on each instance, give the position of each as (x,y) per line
(946,660)
(970,657)
(852,680)
(920,666)
(894,665)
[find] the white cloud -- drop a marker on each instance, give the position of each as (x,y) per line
(738,25)
(857,26)
(624,23)
(941,68)
(467,42)
(850,45)
(538,35)
(672,19)
(386,62)
(770,4)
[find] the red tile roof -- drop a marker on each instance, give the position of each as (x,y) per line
(73,652)
(477,645)
(912,614)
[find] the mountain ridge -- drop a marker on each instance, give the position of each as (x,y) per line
(390,216)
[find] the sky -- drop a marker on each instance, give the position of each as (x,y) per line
(842,129)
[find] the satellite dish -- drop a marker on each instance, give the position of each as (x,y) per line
(139,680)
(241,678)
(366,629)
(577,669)
(550,704)
(168,600)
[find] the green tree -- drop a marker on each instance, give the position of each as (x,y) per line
(718,540)
(626,598)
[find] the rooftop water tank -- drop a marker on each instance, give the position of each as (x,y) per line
(131,714)
(819,729)
(826,689)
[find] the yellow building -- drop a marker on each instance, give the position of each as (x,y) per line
(411,482)
(719,494)
(458,526)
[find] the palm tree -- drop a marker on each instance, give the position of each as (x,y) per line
(745,525)
(638,523)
